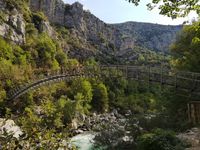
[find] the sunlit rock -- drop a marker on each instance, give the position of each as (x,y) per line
(9,127)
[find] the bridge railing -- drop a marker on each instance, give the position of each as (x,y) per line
(164,76)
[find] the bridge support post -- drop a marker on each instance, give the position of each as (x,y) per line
(149,76)
(175,80)
(189,112)
(194,112)
(161,76)
(126,71)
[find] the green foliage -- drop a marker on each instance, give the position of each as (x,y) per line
(174,106)
(82,89)
(31,31)
(2,17)
(20,56)
(171,8)
(13,53)
(186,49)
(63,32)
(44,139)
(102,38)
(8,71)
(67,108)
(116,86)
(91,62)
(37,19)
(6,51)
(100,98)
(2,93)
(61,58)
(46,112)
(160,140)
(21,5)
(52,117)
(72,62)
(46,50)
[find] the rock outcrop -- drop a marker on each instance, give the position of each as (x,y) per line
(53,9)
(10,128)
(13,25)
(192,137)
(89,36)
(105,40)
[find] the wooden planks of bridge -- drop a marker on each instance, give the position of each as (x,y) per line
(187,81)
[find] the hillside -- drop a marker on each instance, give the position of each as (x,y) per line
(112,43)
(53,87)
(84,35)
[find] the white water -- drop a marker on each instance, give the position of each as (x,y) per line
(83,141)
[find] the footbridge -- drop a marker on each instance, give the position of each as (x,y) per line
(188,82)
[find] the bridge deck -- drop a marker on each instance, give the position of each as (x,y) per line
(186,81)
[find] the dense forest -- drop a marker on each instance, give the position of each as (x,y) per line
(46,115)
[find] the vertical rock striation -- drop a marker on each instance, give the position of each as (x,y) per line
(124,36)
(53,9)
(88,34)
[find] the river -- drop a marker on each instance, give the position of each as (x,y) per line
(84,141)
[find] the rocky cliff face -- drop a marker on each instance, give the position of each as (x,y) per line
(152,36)
(12,25)
(107,38)
(89,36)
(53,9)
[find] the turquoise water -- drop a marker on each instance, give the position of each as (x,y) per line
(84,141)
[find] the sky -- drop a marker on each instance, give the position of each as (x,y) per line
(118,11)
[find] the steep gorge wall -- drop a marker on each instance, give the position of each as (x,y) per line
(53,9)
(72,16)
(122,36)
(98,39)
(12,24)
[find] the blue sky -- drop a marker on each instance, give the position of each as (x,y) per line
(117,11)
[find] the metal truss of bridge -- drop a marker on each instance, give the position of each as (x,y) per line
(188,82)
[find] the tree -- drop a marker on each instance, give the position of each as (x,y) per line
(82,91)
(160,140)
(100,98)
(6,51)
(186,49)
(67,108)
(173,8)
(46,49)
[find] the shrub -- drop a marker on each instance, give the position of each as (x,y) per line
(6,51)
(21,5)
(2,17)
(20,56)
(159,140)
(46,49)
(37,18)
(100,98)
(31,30)
(82,91)
(61,57)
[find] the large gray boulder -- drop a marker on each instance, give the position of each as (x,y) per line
(10,128)
(12,25)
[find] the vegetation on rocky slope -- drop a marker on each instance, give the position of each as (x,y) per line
(45,115)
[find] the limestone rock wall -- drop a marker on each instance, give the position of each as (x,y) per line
(89,35)
(91,29)
(53,9)
(12,24)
